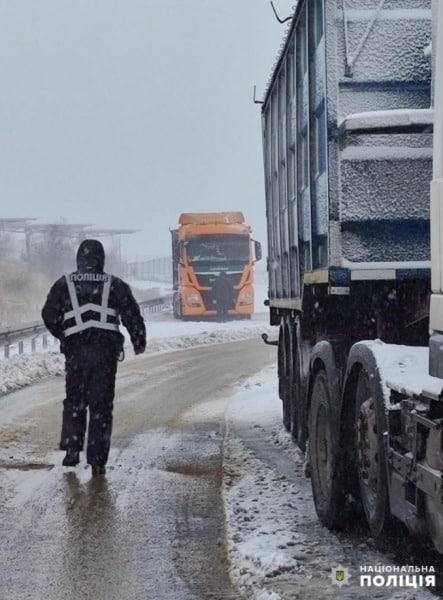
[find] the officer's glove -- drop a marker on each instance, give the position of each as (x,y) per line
(139,348)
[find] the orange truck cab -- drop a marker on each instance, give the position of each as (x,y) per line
(204,245)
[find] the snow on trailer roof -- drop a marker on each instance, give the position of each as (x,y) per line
(384,120)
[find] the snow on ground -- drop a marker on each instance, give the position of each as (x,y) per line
(167,334)
(164,334)
(262,508)
(259,523)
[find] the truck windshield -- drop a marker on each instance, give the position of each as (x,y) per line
(218,249)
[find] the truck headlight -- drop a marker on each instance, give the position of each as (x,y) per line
(192,297)
(246,297)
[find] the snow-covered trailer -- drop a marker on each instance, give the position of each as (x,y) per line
(347,140)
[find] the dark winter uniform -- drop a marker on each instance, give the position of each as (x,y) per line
(83,310)
(224,295)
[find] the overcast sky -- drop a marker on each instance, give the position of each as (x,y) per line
(124,113)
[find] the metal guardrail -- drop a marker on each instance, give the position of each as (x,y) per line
(156,304)
(14,333)
(34,329)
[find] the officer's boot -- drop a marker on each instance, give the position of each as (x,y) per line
(72,458)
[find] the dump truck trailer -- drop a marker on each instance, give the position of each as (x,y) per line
(203,246)
(348,142)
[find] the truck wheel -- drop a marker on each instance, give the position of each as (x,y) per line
(298,428)
(283,383)
(323,449)
(286,413)
(297,410)
(370,424)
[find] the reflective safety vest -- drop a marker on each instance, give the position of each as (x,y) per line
(102,309)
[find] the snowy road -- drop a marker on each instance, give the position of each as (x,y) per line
(204,497)
(154,527)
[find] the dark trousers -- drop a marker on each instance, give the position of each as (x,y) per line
(222,312)
(90,383)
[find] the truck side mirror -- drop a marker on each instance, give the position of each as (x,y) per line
(257,249)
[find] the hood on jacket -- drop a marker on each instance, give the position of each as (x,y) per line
(91,256)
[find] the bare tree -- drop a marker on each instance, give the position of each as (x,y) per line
(53,253)
(23,292)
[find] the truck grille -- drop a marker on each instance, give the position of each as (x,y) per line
(206,280)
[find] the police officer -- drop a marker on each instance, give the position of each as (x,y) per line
(83,310)
(224,295)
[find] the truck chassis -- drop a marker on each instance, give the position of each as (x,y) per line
(371,449)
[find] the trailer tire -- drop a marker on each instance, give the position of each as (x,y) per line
(298,425)
(323,455)
(298,431)
(283,380)
(286,414)
(370,424)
